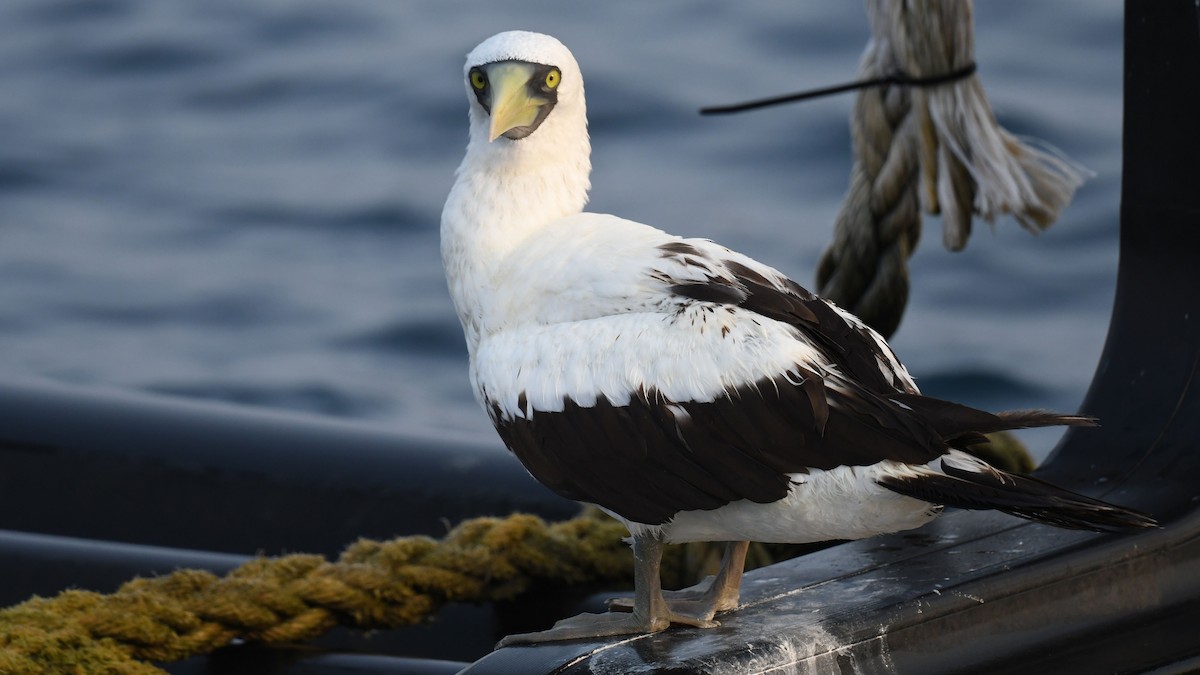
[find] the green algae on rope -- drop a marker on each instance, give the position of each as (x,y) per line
(294,598)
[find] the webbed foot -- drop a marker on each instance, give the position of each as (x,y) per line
(650,612)
(712,595)
(699,602)
(587,626)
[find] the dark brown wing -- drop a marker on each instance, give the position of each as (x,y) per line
(651,458)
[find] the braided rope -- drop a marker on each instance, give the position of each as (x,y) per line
(292,598)
(864,269)
(947,138)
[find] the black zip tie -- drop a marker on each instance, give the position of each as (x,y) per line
(895,78)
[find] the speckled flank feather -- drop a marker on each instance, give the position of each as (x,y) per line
(692,391)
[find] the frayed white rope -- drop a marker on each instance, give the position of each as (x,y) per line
(940,146)
(1008,176)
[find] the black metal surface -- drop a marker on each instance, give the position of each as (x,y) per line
(45,564)
(230,479)
(253,660)
(971,594)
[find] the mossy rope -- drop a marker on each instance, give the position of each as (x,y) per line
(294,598)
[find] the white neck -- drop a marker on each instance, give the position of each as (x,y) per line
(506,191)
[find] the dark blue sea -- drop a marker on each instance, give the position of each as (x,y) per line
(239,201)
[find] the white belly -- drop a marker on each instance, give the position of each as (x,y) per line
(842,503)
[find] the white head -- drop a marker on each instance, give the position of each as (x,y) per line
(527,162)
(521,83)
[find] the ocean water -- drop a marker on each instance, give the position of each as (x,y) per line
(239,200)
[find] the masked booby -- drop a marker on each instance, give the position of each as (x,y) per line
(687,389)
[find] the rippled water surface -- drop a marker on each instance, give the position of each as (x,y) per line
(240,201)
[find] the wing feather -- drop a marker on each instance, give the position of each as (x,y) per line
(844,341)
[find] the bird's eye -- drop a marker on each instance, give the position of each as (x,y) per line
(552,78)
(478,80)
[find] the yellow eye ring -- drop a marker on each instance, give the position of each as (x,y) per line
(477,80)
(552,78)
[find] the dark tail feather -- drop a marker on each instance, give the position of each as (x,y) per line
(1031,419)
(954,420)
(1021,496)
